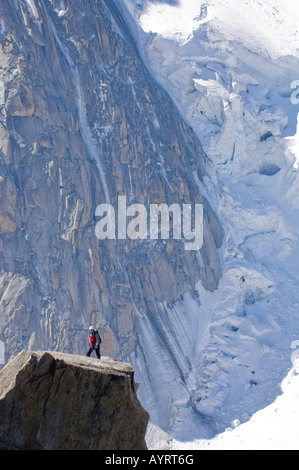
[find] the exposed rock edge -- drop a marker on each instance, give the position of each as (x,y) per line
(52,400)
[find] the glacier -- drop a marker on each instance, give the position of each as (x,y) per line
(230,68)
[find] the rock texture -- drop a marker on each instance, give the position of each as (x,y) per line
(81,122)
(57,401)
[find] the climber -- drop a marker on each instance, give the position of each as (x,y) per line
(94,342)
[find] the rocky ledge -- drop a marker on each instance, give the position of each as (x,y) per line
(51,400)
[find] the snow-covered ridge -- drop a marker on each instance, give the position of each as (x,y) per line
(229,67)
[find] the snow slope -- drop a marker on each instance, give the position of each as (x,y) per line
(230,67)
(276,427)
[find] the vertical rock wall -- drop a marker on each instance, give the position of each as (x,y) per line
(82,122)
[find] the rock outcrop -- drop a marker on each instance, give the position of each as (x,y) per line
(63,402)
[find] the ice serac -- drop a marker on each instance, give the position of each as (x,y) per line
(58,401)
(82,122)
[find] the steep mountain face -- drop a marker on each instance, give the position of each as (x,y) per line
(82,122)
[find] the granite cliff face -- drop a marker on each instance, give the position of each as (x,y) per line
(82,122)
(57,401)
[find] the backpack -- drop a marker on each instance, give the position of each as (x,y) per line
(100,339)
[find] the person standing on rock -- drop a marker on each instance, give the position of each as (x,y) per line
(94,342)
